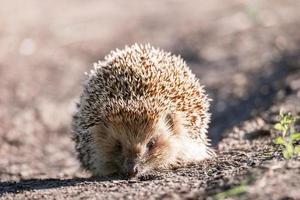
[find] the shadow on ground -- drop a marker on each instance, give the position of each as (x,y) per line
(260,98)
(40,184)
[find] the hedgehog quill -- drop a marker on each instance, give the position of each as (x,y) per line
(141,109)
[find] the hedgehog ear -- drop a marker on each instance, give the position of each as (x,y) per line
(175,121)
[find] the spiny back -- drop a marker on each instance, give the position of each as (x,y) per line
(144,79)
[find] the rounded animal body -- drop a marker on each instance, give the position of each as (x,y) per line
(141,109)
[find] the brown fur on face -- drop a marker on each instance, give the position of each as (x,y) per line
(144,144)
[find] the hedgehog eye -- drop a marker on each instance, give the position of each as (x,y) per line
(151,144)
(118,146)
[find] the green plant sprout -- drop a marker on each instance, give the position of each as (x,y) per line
(235,191)
(289,136)
(252,11)
(240,189)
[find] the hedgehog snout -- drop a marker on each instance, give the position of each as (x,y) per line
(133,169)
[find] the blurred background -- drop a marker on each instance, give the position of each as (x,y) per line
(241,50)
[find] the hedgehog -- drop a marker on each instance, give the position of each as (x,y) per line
(141,110)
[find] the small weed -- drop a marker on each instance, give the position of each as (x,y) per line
(252,11)
(237,190)
(288,136)
(240,189)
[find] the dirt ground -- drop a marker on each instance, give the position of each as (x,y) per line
(247,53)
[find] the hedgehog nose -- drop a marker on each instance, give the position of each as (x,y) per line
(133,170)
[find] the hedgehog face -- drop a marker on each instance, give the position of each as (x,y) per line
(140,156)
(133,148)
